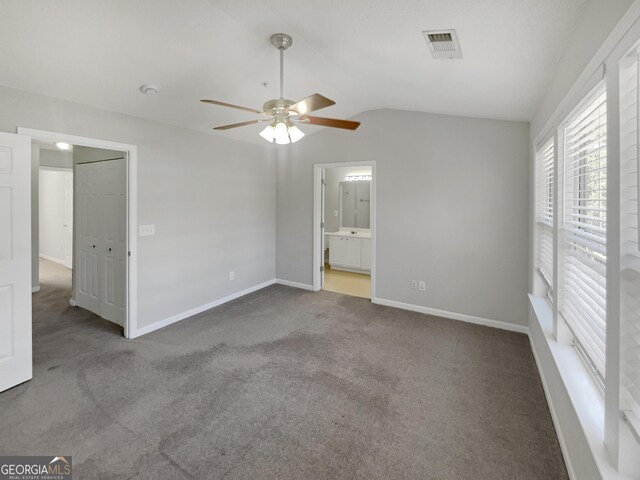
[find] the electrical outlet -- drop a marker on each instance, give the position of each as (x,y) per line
(232,275)
(146,230)
(414,284)
(423,286)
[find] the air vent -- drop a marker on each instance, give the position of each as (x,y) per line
(443,43)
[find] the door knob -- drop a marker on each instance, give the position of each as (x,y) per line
(109,249)
(93,246)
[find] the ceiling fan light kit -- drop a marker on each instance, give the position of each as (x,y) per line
(282,128)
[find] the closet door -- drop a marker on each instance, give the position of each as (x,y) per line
(88,249)
(113,255)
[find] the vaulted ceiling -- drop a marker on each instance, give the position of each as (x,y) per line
(364,54)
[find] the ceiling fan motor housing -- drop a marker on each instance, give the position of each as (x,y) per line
(276,105)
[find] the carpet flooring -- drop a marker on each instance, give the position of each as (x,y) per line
(281,384)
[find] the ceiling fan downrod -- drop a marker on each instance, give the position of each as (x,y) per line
(281,41)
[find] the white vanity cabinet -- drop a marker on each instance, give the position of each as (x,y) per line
(350,252)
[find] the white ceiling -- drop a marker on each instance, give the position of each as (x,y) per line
(364,54)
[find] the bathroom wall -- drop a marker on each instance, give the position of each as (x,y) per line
(333,177)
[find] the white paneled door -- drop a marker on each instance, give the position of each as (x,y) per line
(101,233)
(87,294)
(15,260)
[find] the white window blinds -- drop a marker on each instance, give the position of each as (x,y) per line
(583,290)
(630,257)
(544,211)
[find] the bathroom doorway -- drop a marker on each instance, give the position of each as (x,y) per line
(344,230)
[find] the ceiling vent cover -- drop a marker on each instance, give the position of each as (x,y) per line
(443,43)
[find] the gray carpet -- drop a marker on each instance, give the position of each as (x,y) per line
(282,384)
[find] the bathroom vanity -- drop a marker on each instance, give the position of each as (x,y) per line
(350,251)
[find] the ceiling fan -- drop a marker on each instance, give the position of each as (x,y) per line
(285,114)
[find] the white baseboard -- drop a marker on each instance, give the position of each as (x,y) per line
(289,283)
(52,259)
(35,289)
(201,308)
(453,316)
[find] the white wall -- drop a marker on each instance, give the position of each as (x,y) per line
(333,177)
(452,209)
(187,182)
(52,213)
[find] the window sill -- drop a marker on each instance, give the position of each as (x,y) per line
(585,397)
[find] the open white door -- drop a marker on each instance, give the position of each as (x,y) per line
(15,260)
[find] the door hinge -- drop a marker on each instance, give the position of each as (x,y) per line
(129,253)
(323,181)
(321,224)
(322,268)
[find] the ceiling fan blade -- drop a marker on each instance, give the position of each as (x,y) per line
(235,125)
(311,104)
(222,104)
(330,122)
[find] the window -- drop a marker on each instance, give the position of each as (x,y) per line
(630,256)
(582,301)
(544,213)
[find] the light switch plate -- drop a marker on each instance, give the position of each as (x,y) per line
(147,230)
(423,286)
(335,213)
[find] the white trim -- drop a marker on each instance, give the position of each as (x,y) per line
(352,270)
(53,259)
(131,314)
(35,289)
(453,316)
(55,169)
(317,216)
(288,283)
(194,311)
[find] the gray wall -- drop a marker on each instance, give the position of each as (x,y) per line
(88,154)
(55,158)
(452,208)
(212,200)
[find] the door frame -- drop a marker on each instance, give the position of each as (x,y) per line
(131,165)
(318,241)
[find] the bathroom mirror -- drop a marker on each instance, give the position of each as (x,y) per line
(355,204)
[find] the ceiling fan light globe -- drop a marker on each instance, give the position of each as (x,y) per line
(281,134)
(268,133)
(295,133)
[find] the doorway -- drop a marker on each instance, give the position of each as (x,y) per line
(344,228)
(101,277)
(94,239)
